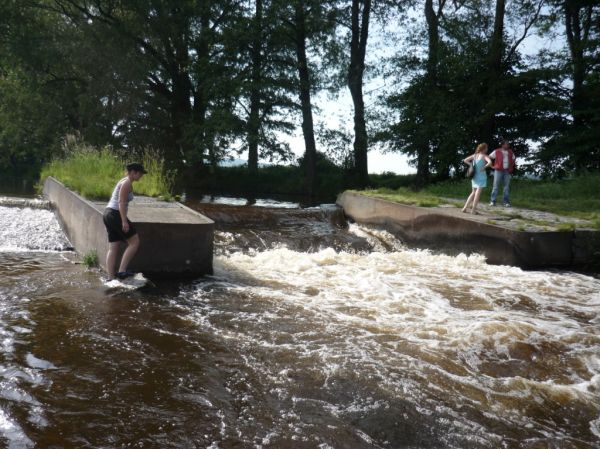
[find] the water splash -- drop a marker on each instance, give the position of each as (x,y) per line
(31,203)
(29,229)
(473,349)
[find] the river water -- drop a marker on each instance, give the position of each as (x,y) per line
(310,334)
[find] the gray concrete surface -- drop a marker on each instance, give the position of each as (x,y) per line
(451,231)
(176,241)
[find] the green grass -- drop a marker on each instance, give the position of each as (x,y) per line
(566,227)
(575,197)
(93,172)
(405,196)
(90,259)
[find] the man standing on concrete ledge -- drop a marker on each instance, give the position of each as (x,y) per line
(504,164)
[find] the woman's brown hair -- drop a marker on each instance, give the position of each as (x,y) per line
(481,147)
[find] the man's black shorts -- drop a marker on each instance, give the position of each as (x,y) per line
(114,226)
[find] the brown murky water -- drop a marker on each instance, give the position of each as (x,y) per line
(309,335)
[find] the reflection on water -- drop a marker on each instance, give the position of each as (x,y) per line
(193,197)
(237,201)
(17,187)
(348,341)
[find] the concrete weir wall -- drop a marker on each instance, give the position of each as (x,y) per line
(176,241)
(435,229)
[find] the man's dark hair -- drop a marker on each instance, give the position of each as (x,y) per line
(504,142)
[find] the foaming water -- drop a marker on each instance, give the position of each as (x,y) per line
(33,203)
(416,349)
(30,229)
(311,334)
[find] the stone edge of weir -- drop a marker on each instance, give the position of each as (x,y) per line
(176,242)
(453,232)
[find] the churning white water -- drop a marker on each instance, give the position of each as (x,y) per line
(309,335)
(495,356)
(30,229)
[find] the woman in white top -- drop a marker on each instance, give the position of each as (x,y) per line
(118,226)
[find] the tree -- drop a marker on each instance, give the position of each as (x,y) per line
(472,85)
(582,29)
(573,144)
(256,56)
(360,17)
(309,28)
(304,79)
(267,63)
(173,69)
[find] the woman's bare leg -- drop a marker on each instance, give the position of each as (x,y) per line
(476,199)
(111,258)
(471,197)
(132,246)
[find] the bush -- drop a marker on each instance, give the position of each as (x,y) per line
(270,179)
(93,172)
(90,259)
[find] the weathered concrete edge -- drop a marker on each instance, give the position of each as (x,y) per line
(428,228)
(162,246)
(70,208)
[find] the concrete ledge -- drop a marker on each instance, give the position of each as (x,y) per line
(450,232)
(176,241)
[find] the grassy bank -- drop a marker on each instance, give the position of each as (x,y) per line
(93,173)
(577,197)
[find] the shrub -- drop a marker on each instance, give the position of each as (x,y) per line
(90,259)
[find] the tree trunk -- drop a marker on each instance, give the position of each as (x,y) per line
(578,21)
(433,34)
(423,174)
(573,32)
(358,46)
(201,97)
(254,116)
(310,155)
(494,75)
(431,80)
(177,59)
(181,110)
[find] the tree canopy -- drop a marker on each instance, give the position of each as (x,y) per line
(202,81)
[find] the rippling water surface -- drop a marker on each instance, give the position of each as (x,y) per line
(309,335)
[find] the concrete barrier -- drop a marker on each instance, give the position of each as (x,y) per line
(440,230)
(176,241)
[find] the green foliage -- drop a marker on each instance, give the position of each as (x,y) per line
(28,124)
(391,181)
(457,95)
(204,81)
(94,172)
(272,179)
(566,227)
(90,259)
(287,180)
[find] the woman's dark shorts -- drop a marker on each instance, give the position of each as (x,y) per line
(114,226)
